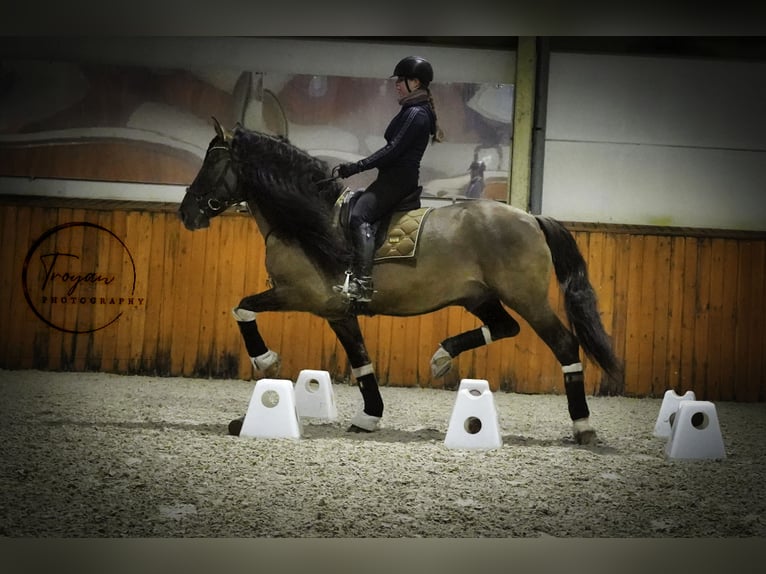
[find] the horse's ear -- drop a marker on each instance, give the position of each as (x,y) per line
(218,128)
(223,133)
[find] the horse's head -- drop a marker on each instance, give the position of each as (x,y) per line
(216,187)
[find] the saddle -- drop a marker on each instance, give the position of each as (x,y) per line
(396,235)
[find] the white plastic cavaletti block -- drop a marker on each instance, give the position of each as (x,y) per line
(474,423)
(314,396)
(669,406)
(696,433)
(272,412)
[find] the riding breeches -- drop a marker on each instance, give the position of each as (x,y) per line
(382,196)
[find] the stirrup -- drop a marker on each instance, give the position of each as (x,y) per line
(355,289)
(360,290)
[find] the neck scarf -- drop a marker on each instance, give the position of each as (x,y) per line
(414,97)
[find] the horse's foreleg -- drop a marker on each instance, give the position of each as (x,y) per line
(350,336)
(498,324)
(262,358)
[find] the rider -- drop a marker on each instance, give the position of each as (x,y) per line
(398,164)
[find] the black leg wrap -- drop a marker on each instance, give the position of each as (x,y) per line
(252,338)
(574,384)
(373,402)
(508,327)
(494,316)
(464,342)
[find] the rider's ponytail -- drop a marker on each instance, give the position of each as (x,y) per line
(438,134)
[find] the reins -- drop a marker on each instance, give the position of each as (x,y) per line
(333,176)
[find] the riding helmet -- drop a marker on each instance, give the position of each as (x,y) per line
(415,67)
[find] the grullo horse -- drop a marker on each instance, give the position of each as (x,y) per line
(483,255)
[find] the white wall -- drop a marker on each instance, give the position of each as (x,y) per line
(656,141)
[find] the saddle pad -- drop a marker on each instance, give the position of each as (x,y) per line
(403,232)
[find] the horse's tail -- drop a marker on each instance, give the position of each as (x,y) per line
(579,297)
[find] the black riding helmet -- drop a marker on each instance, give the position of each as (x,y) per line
(415,67)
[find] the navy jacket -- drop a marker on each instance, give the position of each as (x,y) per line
(407,137)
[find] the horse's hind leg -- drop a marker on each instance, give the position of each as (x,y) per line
(350,336)
(567,350)
(498,324)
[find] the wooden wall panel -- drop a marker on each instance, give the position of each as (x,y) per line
(688,314)
(9,275)
(21,220)
(675,312)
(150,346)
(661,316)
(619,327)
(684,311)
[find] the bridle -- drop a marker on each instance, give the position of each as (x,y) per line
(227,178)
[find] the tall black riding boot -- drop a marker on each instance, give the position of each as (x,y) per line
(360,287)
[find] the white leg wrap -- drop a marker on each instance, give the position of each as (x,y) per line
(363,370)
(581,425)
(573,368)
(365,421)
(263,362)
(441,363)
(243,315)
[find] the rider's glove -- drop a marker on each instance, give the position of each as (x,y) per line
(348,169)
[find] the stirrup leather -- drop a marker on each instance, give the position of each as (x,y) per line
(344,288)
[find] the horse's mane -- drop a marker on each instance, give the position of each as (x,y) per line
(293,192)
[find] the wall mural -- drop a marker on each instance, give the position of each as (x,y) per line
(107,122)
(110,123)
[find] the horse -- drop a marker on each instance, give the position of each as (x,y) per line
(484,255)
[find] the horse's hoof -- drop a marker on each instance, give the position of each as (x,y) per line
(441,363)
(272,371)
(269,364)
(586,437)
(584,433)
(354,428)
(235,426)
